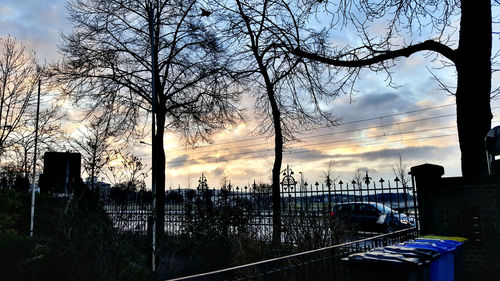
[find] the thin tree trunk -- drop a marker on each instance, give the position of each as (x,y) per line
(278,159)
(2,101)
(92,171)
(474,85)
(160,172)
(278,152)
(25,162)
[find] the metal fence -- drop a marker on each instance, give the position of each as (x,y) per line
(304,207)
(319,264)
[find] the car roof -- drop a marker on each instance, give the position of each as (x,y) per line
(374,204)
(353,203)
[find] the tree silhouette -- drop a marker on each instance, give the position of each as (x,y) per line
(288,93)
(94,144)
(49,136)
(19,75)
(471,57)
(128,171)
(108,56)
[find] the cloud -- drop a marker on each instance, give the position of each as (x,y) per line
(5,10)
(304,154)
(179,161)
(218,172)
(391,154)
(375,100)
(37,24)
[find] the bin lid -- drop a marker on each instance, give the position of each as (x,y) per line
(452,243)
(426,245)
(438,243)
(392,256)
(446,238)
(425,254)
(381,259)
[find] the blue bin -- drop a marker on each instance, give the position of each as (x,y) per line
(385,266)
(443,268)
(427,257)
(457,254)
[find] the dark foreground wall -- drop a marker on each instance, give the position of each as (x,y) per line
(463,207)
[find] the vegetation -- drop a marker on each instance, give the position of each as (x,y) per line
(20,74)
(288,92)
(183,68)
(73,240)
(117,48)
(470,56)
(218,236)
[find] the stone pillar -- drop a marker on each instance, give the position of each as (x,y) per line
(428,184)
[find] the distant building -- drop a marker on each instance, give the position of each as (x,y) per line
(61,172)
(103,187)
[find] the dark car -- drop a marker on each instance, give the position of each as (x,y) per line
(371,216)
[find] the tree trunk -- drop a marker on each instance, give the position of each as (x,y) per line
(278,158)
(92,171)
(25,168)
(473,66)
(278,155)
(278,149)
(160,172)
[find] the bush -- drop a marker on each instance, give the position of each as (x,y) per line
(215,236)
(74,240)
(313,230)
(21,257)
(14,212)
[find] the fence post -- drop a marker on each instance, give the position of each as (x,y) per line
(427,178)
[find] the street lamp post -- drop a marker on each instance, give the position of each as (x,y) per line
(34,162)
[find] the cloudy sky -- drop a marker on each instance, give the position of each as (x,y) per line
(415,121)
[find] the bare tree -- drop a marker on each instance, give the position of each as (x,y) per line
(49,136)
(94,144)
(19,75)
(128,171)
(471,57)
(400,171)
(357,179)
(329,174)
(224,182)
(288,93)
(109,56)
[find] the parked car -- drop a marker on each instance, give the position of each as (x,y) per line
(372,217)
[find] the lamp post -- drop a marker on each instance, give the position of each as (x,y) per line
(34,162)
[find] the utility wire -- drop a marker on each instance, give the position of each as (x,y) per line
(308,151)
(322,135)
(313,144)
(326,134)
(327,142)
(217,159)
(324,127)
(331,133)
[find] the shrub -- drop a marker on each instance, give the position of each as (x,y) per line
(74,240)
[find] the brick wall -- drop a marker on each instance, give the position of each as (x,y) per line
(463,207)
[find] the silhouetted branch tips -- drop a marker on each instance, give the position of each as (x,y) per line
(205,13)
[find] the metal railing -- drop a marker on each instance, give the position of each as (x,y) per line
(249,209)
(319,264)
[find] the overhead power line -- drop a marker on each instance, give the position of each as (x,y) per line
(288,151)
(313,144)
(216,160)
(323,135)
(326,134)
(324,127)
